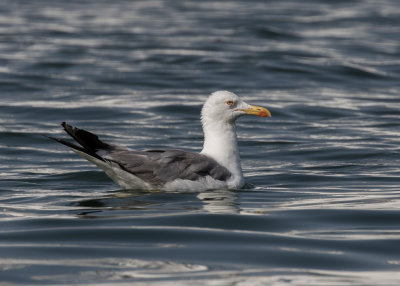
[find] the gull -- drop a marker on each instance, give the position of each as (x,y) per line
(217,166)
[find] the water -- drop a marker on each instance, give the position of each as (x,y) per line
(322,201)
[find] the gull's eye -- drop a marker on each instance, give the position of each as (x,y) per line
(230,102)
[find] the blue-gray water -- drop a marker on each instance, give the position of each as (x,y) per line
(322,200)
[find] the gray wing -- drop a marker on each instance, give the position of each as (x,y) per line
(155,166)
(158,167)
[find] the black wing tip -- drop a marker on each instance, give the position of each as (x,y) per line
(66,143)
(85,138)
(65,125)
(73,132)
(49,137)
(69,129)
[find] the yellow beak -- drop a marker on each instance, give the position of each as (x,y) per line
(257,110)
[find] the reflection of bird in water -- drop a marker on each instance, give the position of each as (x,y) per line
(217,166)
(212,201)
(219,201)
(117,202)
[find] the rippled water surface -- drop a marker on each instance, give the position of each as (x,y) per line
(321,205)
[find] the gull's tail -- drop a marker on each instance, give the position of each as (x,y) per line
(101,154)
(90,142)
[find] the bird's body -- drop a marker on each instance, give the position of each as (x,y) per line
(216,166)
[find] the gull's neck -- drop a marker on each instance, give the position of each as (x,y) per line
(220,144)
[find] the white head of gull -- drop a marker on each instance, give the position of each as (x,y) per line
(216,166)
(218,117)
